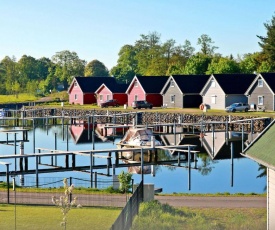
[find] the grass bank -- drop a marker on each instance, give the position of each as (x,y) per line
(22,97)
(153,215)
(49,217)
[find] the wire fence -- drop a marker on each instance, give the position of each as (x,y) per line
(86,196)
(126,217)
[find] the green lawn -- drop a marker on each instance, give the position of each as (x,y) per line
(22,97)
(154,215)
(49,217)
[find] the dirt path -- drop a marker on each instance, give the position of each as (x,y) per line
(115,200)
(213,202)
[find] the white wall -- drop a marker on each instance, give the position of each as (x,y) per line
(270,199)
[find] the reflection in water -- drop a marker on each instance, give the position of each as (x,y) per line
(207,164)
(263,172)
(214,160)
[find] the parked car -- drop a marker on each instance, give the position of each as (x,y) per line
(142,104)
(108,103)
(237,107)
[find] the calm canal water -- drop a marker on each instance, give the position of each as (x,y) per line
(212,176)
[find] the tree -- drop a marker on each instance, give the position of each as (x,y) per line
(43,68)
(10,72)
(265,67)
(206,45)
(197,64)
(223,65)
(267,43)
(15,88)
(67,65)
(27,68)
(64,202)
(96,68)
(126,66)
(180,57)
(2,79)
(125,180)
(147,48)
(32,87)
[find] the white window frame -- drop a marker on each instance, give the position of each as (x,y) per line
(100,97)
(260,83)
(75,84)
(136,84)
(75,96)
(172,84)
(213,99)
(213,83)
(136,98)
(172,98)
(108,97)
(260,100)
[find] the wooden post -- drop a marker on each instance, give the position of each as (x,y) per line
(21,167)
(55,147)
(232,161)
(67,156)
(91,169)
(36,171)
(189,169)
(15,159)
(8,182)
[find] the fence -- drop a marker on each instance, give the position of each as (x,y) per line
(30,195)
(125,219)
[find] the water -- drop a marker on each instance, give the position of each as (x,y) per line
(217,176)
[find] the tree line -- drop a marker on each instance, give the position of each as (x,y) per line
(148,56)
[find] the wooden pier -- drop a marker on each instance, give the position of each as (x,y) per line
(113,157)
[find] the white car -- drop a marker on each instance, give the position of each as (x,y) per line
(237,107)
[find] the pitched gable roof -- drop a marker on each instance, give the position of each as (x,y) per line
(114,88)
(91,84)
(150,84)
(190,83)
(262,149)
(234,83)
(270,80)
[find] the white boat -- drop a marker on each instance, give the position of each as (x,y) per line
(138,137)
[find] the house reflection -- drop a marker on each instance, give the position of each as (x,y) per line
(225,145)
(82,134)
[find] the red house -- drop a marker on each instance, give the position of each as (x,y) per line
(146,88)
(109,91)
(82,89)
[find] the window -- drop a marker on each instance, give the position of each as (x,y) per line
(213,83)
(172,98)
(101,97)
(260,100)
(260,83)
(136,84)
(108,97)
(136,97)
(172,84)
(75,83)
(75,96)
(213,99)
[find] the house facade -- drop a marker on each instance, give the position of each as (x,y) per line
(82,89)
(261,91)
(222,90)
(183,91)
(146,88)
(112,91)
(262,150)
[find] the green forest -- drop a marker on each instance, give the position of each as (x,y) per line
(148,56)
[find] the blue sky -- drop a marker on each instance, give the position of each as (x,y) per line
(98,29)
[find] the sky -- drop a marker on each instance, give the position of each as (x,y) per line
(97,29)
